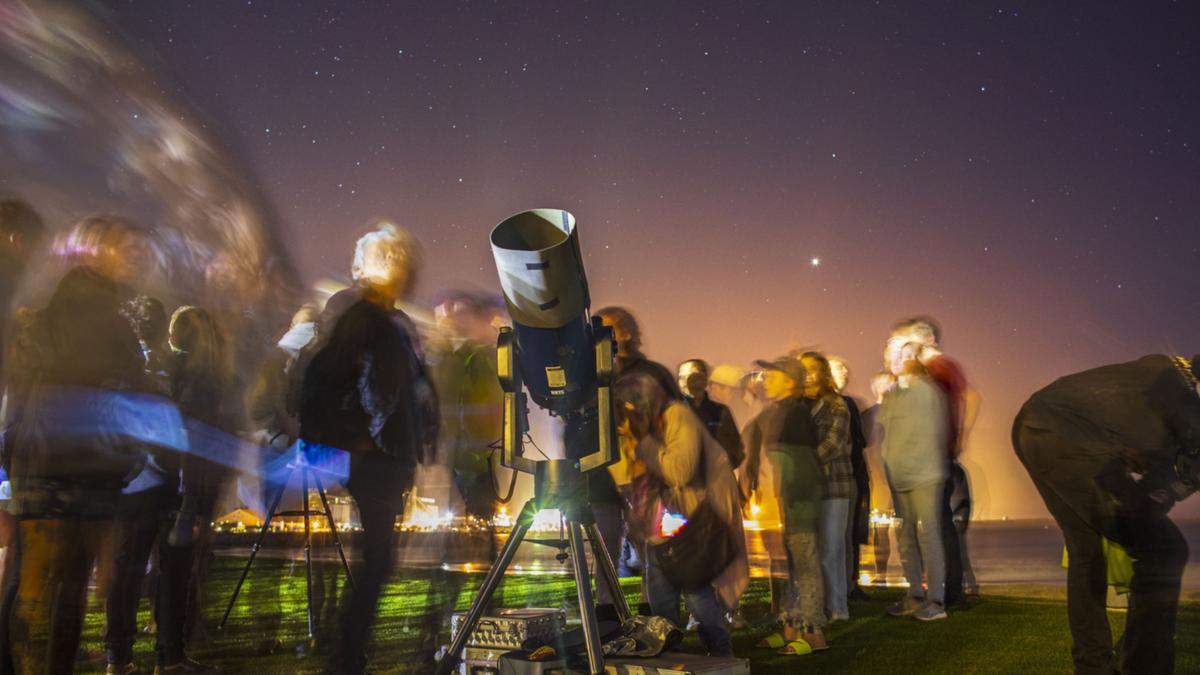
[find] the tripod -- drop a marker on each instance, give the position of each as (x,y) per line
(558,484)
(306,472)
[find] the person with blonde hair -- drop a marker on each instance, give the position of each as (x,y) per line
(366,390)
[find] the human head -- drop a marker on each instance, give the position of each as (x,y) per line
(20,229)
(148,318)
(725,383)
(113,246)
(922,329)
(818,376)
(195,334)
(782,378)
(840,371)
(905,359)
(640,402)
(693,377)
(386,260)
(307,313)
(625,329)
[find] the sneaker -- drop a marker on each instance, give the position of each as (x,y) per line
(905,606)
(932,611)
(118,669)
(839,616)
(186,665)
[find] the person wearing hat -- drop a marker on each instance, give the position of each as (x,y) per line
(1111,450)
(785,435)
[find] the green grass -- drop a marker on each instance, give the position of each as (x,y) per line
(1013,629)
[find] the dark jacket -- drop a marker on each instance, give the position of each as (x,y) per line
(366,388)
(70,357)
(1135,416)
(719,421)
(785,433)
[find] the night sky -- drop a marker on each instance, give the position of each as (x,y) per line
(749,176)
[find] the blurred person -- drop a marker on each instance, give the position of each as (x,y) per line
(881,383)
(858,530)
(66,488)
(1111,450)
(726,386)
(832,419)
(366,391)
(717,418)
(201,385)
(608,506)
(913,416)
(962,408)
(267,404)
(785,434)
(688,470)
(21,233)
(465,375)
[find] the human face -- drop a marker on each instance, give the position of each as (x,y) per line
(841,373)
(692,379)
(812,376)
(778,385)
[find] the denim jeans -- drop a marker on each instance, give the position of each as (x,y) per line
(704,605)
(835,518)
(920,539)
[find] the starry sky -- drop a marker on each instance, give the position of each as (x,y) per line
(1026,173)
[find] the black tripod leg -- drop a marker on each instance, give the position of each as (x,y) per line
(453,655)
(587,610)
(337,540)
(607,571)
(254,549)
(307,550)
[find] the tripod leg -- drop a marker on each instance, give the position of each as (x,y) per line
(607,571)
(450,661)
(254,549)
(307,551)
(587,610)
(337,540)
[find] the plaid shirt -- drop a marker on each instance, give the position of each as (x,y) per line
(832,417)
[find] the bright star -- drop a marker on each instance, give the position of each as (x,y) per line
(816,262)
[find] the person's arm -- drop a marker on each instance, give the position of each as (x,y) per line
(676,460)
(728,437)
(752,442)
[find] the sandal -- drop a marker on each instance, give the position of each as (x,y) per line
(772,641)
(796,647)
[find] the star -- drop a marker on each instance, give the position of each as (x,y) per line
(816,262)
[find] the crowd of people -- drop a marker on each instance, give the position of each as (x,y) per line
(800,456)
(127,416)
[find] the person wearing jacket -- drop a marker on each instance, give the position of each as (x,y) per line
(913,416)
(832,418)
(366,391)
(688,469)
(1111,450)
(784,434)
(77,355)
(693,380)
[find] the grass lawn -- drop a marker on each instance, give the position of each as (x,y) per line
(1013,629)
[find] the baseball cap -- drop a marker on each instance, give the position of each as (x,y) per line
(726,374)
(787,365)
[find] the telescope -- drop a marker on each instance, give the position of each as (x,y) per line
(562,358)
